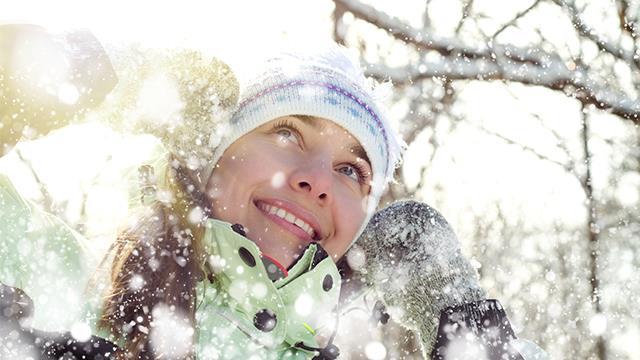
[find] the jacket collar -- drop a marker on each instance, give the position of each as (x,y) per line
(293,309)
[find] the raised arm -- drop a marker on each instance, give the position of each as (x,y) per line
(414,262)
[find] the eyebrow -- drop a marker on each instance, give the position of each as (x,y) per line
(311,121)
(359,152)
(354,148)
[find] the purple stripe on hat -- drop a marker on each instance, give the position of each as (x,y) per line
(334,88)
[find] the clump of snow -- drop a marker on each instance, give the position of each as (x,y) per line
(177,96)
(171,332)
(465,347)
(81,331)
(375,350)
(304,305)
(68,93)
(277,180)
(136,282)
(196,215)
(159,101)
(259,290)
(217,264)
(356,258)
(598,324)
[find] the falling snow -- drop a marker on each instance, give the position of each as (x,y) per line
(507,164)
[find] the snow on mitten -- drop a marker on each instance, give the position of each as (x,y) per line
(413,261)
(182,97)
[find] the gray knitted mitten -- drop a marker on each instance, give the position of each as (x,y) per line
(414,263)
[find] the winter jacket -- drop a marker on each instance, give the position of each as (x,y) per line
(44,257)
(44,267)
(244,313)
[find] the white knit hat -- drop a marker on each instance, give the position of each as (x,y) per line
(326,83)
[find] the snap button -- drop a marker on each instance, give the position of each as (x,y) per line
(265,320)
(246,256)
(239,229)
(327,283)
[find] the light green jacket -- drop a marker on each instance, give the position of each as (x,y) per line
(46,258)
(300,305)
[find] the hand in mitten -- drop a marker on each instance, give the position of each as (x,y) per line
(47,80)
(413,260)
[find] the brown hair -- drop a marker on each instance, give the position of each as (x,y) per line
(157,260)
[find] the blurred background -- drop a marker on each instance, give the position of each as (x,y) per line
(521,118)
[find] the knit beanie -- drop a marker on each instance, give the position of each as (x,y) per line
(325,82)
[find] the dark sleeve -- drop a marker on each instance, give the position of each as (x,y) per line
(64,346)
(477,330)
(19,340)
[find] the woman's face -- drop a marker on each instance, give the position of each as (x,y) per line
(293,181)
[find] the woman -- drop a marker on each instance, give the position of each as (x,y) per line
(298,173)
(233,255)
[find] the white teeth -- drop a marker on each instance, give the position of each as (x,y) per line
(290,218)
(281,213)
(304,226)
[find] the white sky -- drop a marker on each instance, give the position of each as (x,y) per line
(234,30)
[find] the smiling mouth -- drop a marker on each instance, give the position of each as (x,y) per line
(288,217)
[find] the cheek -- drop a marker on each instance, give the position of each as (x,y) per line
(240,173)
(350,215)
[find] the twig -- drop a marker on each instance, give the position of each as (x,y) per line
(516,18)
(586,31)
(466,9)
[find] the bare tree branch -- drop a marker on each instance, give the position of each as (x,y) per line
(515,19)
(586,31)
(593,231)
(526,148)
(426,20)
(466,10)
(570,166)
(444,46)
(628,23)
(531,66)
(338,24)
(447,101)
(576,83)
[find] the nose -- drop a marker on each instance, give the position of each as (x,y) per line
(314,178)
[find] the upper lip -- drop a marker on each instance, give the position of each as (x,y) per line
(298,211)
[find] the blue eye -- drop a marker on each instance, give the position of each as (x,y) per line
(351,171)
(287,135)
